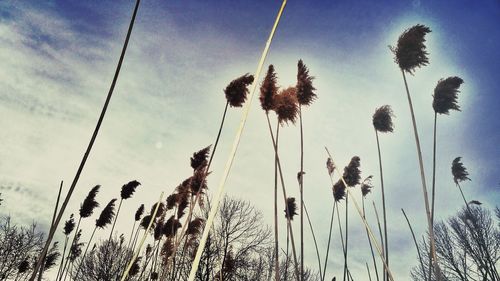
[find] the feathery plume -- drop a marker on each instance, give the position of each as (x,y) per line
(268,90)
(171,201)
(139,212)
(135,267)
(76,247)
(338,191)
(23,266)
(410,51)
(171,226)
(107,214)
(291,208)
(305,89)
(352,174)
(161,209)
(382,119)
(199,181)
(459,171)
(167,249)
(330,166)
(195,227)
(286,105)
(183,203)
(445,95)
(158,231)
(145,221)
(52,256)
(199,159)
(129,188)
(366,186)
(89,204)
(475,202)
(236,92)
(69,225)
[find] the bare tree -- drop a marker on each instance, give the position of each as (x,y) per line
(467,245)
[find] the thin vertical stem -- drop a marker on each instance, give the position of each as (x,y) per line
(131,234)
(289,224)
(329,239)
(42,266)
(229,162)
(62,257)
(369,241)
(276,236)
(381,235)
(314,237)
(301,185)
(422,177)
(368,269)
(89,147)
(386,242)
(346,234)
(415,241)
(433,194)
(85,253)
(116,218)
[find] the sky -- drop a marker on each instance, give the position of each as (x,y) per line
(58,59)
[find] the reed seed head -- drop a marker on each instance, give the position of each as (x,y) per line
(76,247)
(199,181)
(459,171)
(23,266)
(158,231)
(330,166)
(366,186)
(291,209)
(135,267)
(69,225)
(89,204)
(129,188)
(107,215)
(410,52)
(305,89)
(286,106)
(195,227)
(200,158)
(167,250)
(382,119)
(171,226)
(352,174)
(171,201)
(475,202)
(236,92)
(139,212)
(146,220)
(161,209)
(268,90)
(338,191)
(446,95)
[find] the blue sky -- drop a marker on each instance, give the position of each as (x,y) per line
(58,58)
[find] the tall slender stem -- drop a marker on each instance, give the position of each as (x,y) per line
(289,224)
(422,177)
(62,258)
(276,236)
(116,218)
(301,185)
(229,162)
(433,194)
(386,242)
(42,266)
(89,147)
(381,235)
(85,253)
(369,241)
(69,252)
(329,239)
(314,237)
(131,234)
(346,234)
(415,241)
(368,269)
